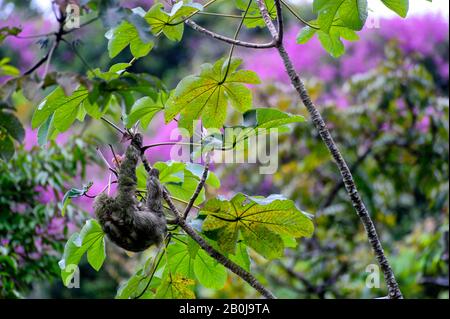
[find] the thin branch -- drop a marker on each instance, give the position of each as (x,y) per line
(319,123)
(147,147)
(224,15)
(155,266)
(295,14)
(113,125)
(81,25)
(199,186)
(220,37)
(191,15)
(230,55)
(83,60)
(277,35)
(34,36)
(58,38)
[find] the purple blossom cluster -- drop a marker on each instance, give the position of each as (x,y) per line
(426,35)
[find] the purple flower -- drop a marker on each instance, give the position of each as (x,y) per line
(35,255)
(56,227)
(424,124)
(19,250)
(4,242)
(45,194)
(31,139)
(38,244)
(19,208)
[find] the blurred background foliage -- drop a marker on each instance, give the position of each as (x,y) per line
(387,104)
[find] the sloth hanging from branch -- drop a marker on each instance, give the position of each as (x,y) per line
(129,223)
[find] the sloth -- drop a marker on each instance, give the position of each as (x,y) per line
(129,223)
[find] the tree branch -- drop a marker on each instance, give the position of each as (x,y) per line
(220,37)
(319,123)
(199,187)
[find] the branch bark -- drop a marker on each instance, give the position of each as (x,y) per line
(199,188)
(319,123)
(220,37)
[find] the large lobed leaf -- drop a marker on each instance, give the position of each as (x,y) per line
(262,222)
(208,94)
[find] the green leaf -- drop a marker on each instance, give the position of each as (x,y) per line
(400,7)
(171,24)
(143,110)
(134,286)
(91,240)
(305,35)
(11,126)
(253,18)
(241,256)
(261,221)
(209,272)
(92,236)
(266,118)
(54,102)
(207,95)
(256,122)
(175,287)
(119,67)
(186,189)
(354,14)
(7,31)
(44,131)
(6,69)
(125,35)
(179,258)
(197,169)
(6,147)
(347,13)
(332,43)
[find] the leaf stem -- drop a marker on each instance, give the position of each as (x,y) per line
(241,23)
(295,14)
